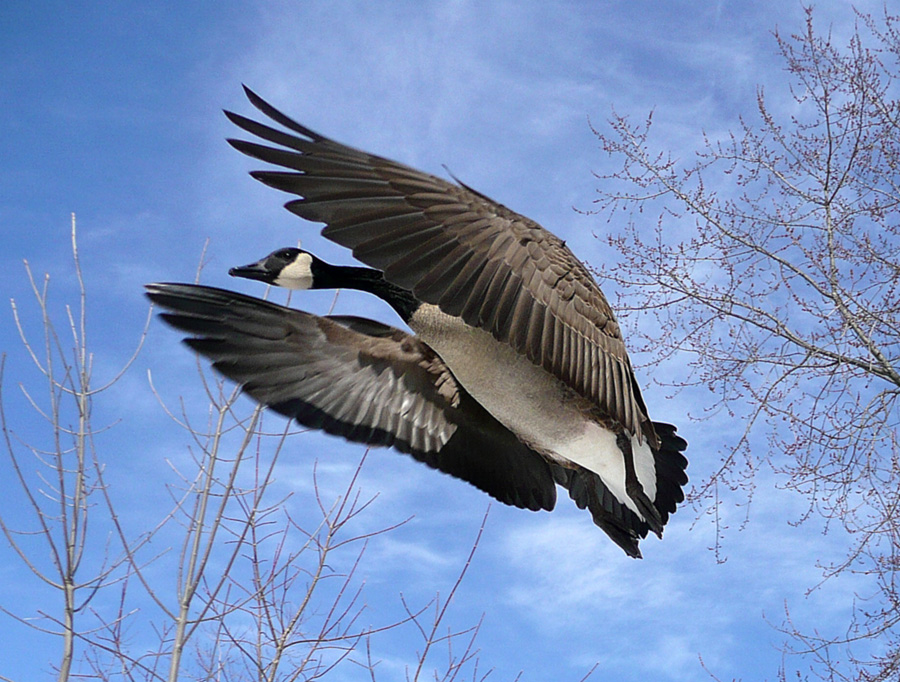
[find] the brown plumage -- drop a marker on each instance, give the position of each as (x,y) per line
(374,384)
(517,377)
(453,247)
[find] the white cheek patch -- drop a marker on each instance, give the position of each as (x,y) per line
(297,274)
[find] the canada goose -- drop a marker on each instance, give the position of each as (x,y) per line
(511,314)
(374,384)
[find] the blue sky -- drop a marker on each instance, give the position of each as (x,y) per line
(113,111)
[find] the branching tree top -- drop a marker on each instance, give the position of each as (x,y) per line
(775,265)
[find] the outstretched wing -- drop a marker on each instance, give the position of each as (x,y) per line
(458,249)
(358,379)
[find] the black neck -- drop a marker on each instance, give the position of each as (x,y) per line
(366,279)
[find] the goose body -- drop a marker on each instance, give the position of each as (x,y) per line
(543,412)
(510,320)
(546,415)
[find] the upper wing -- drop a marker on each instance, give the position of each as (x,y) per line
(358,379)
(456,248)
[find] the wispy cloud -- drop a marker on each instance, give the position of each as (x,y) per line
(501,94)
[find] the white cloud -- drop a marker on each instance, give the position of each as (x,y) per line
(501,94)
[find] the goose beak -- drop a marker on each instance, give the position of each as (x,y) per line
(257,271)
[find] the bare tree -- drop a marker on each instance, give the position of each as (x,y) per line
(775,267)
(241,590)
(60,496)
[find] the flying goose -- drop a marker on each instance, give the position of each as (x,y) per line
(511,314)
(378,385)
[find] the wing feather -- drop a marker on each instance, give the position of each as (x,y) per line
(420,223)
(361,380)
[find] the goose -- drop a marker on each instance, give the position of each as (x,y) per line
(508,310)
(374,384)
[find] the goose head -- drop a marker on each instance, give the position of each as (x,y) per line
(290,268)
(294,268)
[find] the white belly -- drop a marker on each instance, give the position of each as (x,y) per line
(531,403)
